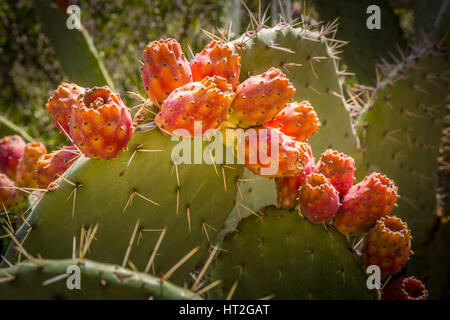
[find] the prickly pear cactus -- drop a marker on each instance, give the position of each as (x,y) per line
(401,130)
(74,47)
(254,192)
(281,255)
(311,65)
(365,46)
(47,279)
(441,26)
(131,199)
(425,13)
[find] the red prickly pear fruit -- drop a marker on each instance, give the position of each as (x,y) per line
(364,203)
(52,165)
(60,105)
(288,187)
(206,102)
(260,98)
(297,120)
(165,69)
(11,150)
(405,288)
(268,152)
(26,170)
(217,59)
(101,123)
(318,199)
(387,245)
(288,191)
(338,168)
(9,196)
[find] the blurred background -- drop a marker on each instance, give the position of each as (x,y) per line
(34,60)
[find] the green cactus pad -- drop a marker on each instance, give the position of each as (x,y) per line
(441,26)
(425,14)
(47,279)
(401,130)
(309,63)
(254,192)
(137,186)
(74,48)
(365,46)
(283,256)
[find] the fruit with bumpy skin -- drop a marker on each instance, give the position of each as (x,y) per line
(60,105)
(260,98)
(404,288)
(288,187)
(318,199)
(101,124)
(387,245)
(217,59)
(297,120)
(288,191)
(338,168)
(366,202)
(26,170)
(280,255)
(9,196)
(11,150)
(30,280)
(165,69)
(206,102)
(52,165)
(268,152)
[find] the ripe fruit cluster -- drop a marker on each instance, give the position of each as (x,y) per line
(207,91)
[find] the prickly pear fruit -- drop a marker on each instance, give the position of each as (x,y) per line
(217,59)
(11,150)
(101,124)
(165,69)
(365,202)
(26,170)
(8,195)
(288,187)
(52,165)
(387,245)
(60,105)
(405,288)
(338,168)
(319,200)
(287,191)
(260,98)
(297,120)
(206,102)
(268,152)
